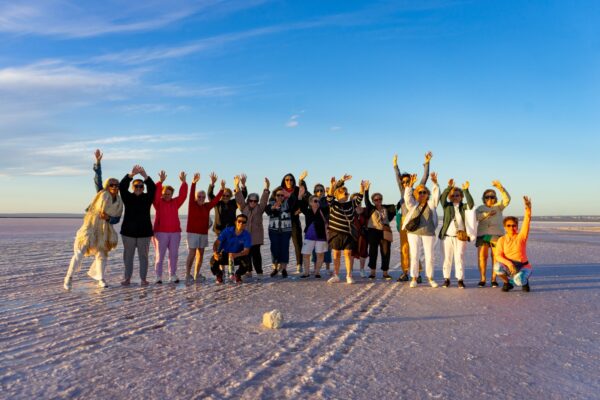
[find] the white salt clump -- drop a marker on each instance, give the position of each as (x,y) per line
(273,319)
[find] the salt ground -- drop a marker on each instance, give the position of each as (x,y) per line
(369,340)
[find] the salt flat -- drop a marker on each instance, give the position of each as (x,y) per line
(368,340)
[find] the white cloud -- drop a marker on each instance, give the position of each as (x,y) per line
(78,19)
(293,121)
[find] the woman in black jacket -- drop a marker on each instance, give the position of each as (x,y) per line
(315,233)
(225,210)
(288,184)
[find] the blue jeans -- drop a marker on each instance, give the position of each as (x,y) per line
(280,246)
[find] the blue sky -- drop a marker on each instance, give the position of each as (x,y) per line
(506,90)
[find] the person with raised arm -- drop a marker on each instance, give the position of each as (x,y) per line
(342,236)
(253,208)
(320,192)
(289,186)
(280,209)
(421,222)
(315,233)
(136,229)
(360,252)
(379,233)
(225,210)
(197,228)
(97,236)
(490,229)
(454,230)
(232,247)
(403,181)
(167,227)
(511,252)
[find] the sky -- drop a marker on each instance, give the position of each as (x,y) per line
(505,90)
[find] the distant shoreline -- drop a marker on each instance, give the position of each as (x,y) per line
(565,218)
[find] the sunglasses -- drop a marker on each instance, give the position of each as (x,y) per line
(378,199)
(490,197)
(239,221)
(319,191)
(405,182)
(315,201)
(422,192)
(510,225)
(113,185)
(138,186)
(226,195)
(252,201)
(457,195)
(279,195)
(288,180)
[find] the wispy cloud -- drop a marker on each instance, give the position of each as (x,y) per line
(335,128)
(77,19)
(293,122)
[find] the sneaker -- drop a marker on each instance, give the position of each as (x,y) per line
(200,278)
(158,281)
(305,276)
(259,277)
(189,279)
(526,288)
(68,284)
(507,287)
(102,283)
(481,284)
(333,279)
(274,272)
(372,276)
(446,283)
(173,279)
(419,279)
(236,279)
(362,273)
(144,283)
(232,278)
(433,283)
(219,279)
(387,277)
(284,273)
(461,284)
(494,284)
(349,280)
(413,283)
(125,282)
(317,276)
(403,277)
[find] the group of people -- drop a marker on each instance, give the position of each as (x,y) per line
(336,226)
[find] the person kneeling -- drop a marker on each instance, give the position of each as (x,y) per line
(232,248)
(513,266)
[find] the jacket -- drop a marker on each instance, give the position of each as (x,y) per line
(225,212)
(199,215)
(167,212)
(136,221)
(255,215)
(449,209)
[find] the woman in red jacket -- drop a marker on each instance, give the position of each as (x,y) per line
(167,227)
(197,228)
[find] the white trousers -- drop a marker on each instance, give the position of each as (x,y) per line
(454,249)
(97,269)
(416,243)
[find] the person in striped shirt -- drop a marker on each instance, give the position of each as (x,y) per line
(342,235)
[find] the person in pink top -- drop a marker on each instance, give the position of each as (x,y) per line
(197,228)
(511,252)
(167,227)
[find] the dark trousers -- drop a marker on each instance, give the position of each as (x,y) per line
(297,240)
(376,241)
(280,247)
(256,259)
(243,264)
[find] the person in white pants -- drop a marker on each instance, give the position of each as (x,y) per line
(421,222)
(454,232)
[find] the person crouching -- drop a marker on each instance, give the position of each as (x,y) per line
(232,248)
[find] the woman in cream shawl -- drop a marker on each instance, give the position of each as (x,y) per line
(97,236)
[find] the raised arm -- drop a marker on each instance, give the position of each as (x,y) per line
(150,185)
(435,192)
(398,174)
(446,192)
(264,197)
(211,186)
(524,232)
(470,202)
(505,196)
(428,157)
(124,186)
(98,170)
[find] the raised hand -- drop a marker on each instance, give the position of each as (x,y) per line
(466,185)
(434,177)
(527,201)
(428,156)
(134,171)
(142,172)
(196,177)
(346,177)
(162,176)
(267,183)
(98,154)
(413,180)
(451,183)
(395,160)
(236,182)
(213,178)
(333,181)
(365,185)
(182,176)
(303,175)
(243,179)
(222,184)
(497,185)
(301,192)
